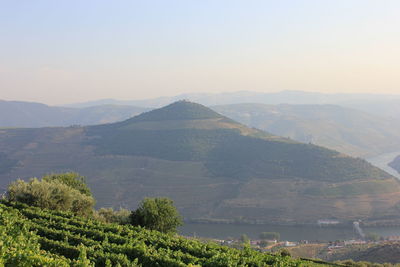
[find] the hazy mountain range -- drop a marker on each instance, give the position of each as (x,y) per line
(348,130)
(211,166)
(378,104)
(29,114)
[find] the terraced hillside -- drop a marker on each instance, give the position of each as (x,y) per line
(343,129)
(63,238)
(214,169)
(387,252)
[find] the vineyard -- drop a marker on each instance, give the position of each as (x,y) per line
(68,240)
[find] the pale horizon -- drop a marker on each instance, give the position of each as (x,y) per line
(194,93)
(76,51)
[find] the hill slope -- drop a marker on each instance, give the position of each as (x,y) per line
(343,129)
(62,236)
(212,167)
(388,252)
(27,114)
(347,130)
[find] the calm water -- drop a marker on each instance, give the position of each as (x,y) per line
(383,160)
(295,233)
(292,233)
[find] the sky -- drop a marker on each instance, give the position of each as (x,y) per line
(66,51)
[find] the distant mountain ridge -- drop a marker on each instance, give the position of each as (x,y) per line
(30,114)
(378,104)
(347,130)
(344,129)
(214,168)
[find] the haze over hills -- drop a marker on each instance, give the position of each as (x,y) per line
(343,129)
(379,104)
(211,166)
(29,114)
(347,130)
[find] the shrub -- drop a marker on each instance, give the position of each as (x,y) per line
(71,179)
(109,215)
(270,235)
(50,194)
(157,214)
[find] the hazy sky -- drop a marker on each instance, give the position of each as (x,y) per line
(65,51)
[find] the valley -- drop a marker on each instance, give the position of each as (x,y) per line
(215,169)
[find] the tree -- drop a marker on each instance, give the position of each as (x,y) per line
(244,239)
(51,193)
(372,237)
(157,214)
(71,179)
(109,215)
(284,252)
(270,235)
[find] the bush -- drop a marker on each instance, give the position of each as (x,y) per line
(109,215)
(284,252)
(51,194)
(244,239)
(372,237)
(157,214)
(71,179)
(270,235)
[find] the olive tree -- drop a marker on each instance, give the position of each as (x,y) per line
(51,194)
(157,214)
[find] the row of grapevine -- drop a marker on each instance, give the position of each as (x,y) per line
(20,247)
(64,235)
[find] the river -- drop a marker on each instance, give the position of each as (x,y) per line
(291,233)
(295,233)
(382,161)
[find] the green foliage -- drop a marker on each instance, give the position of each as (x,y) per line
(121,216)
(74,240)
(372,237)
(157,214)
(284,252)
(20,247)
(270,235)
(71,179)
(244,239)
(51,194)
(82,259)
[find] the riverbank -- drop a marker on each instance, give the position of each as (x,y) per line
(382,161)
(292,233)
